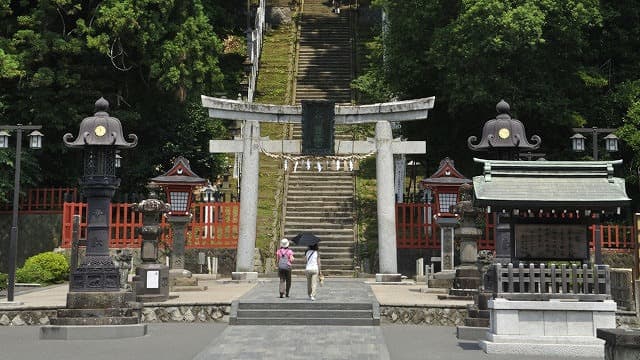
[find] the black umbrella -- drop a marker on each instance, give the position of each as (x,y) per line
(305,239)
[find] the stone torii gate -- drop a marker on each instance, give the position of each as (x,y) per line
(383,145)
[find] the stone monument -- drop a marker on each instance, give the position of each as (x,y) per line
(152,278)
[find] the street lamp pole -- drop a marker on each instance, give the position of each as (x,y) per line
(594,131)
(13,242)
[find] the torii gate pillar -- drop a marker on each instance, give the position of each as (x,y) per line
(249,211)
(386,206)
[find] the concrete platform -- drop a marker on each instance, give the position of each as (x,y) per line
(88,332)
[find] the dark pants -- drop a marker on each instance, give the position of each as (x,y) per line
(285,280)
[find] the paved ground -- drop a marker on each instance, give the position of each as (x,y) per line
(185,341)
(219,341)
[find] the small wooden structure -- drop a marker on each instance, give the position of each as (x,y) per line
(546,207)
(442,187)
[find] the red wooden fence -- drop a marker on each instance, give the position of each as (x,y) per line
(213,225)
(416,229)
(614,237)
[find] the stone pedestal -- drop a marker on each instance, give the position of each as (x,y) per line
(503,239)
(96,315)
(183,280)
(447,225)
(548,328)
(620,344)
(476,324)
(152,282)
(622,288)
(246,276)
(178,225)
(388,278)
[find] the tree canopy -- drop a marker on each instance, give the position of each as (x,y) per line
(151,59)
(558,63)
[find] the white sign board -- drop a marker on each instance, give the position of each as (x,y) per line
(153,279)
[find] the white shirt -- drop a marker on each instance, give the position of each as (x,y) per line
(312,260)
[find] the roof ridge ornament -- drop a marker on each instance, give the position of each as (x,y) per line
(504,136)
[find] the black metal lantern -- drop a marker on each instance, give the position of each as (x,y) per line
(4,139)
(611,143)
(577,142)
(99,136)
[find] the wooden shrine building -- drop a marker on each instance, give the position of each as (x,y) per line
(545,207)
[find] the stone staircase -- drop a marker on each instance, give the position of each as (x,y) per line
(304,313)
(322,202)
(324,56)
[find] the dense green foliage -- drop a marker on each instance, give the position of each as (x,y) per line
(3,281)
(45,268)
(151,59)
(559,63)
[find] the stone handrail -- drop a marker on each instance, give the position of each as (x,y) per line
(254,40)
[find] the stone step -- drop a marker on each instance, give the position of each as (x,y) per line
(310,193)
(340,205)
(315,221)
(337,177)
(329,216)
(476,322)
(306,322)
(305,186)
(328,272)
(323,94)
(475,313)
(246,305)
(318,223)
(107,320)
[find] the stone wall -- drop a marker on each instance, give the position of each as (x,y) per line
(157,313)
(186,313)
(422,316)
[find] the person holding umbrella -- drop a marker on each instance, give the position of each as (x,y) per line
(285,258)
(312,270)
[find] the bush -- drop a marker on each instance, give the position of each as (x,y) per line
(3,281)
(46,268)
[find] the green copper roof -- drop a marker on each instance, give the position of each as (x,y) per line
(568,184)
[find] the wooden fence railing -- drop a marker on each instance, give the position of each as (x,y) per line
(539,282)
(213,225)
(614,237)
(416,229)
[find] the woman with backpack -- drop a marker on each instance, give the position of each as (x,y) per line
(285,258)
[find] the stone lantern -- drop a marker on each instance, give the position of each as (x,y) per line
(100,136)
(178,183)
(152,278)
(97,308)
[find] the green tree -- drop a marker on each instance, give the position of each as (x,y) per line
(537,55)
(151,59)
